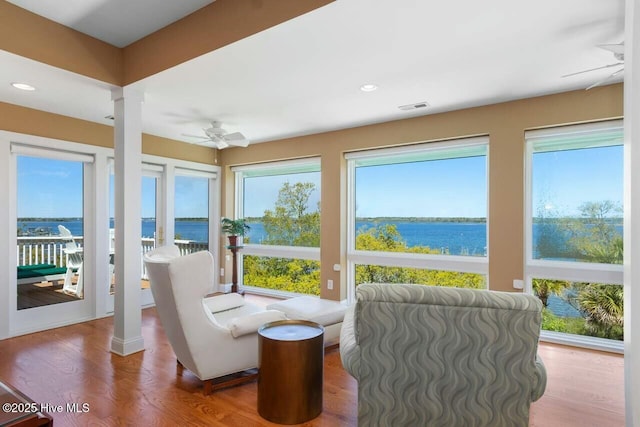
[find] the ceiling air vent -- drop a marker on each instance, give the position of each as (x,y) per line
(109,117)
(415,106)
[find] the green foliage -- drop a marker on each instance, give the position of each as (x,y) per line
(571,325)
(291,223)
(601,307)
(386,238)
(234,227)
(291,275)
(592,237)
(604,309)
(543,288)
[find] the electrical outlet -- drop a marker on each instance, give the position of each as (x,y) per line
(222,272)
(330,284)
(518,284)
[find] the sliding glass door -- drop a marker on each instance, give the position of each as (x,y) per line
(50,237)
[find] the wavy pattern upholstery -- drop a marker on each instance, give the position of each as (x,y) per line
(434,356)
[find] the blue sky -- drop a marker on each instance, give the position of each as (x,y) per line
(50,188)
(563,180)
(441,188)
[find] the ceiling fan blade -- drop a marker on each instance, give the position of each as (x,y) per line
(594,69)
(599,82)
(615,48)
(221,144)
(237,139)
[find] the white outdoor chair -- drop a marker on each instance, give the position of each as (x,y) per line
(74,256)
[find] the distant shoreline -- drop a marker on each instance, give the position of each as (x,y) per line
(379,219)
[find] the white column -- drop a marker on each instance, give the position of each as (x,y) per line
(127,323)
(632,213)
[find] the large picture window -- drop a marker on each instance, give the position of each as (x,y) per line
(417,214)
(281,203)
(574,230)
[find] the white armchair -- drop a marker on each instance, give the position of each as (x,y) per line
(212,337)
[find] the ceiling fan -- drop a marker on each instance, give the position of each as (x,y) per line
(219,138)
(618,53)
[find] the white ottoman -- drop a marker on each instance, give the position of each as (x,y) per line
(327,313)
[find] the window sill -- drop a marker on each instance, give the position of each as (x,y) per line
(592,343)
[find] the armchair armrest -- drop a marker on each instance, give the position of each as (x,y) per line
(349,348)
(250,323)
(540,380)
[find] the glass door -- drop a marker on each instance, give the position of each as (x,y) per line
(50,194)
(151,230)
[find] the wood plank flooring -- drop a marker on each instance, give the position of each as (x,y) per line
(73,365)
(38,294)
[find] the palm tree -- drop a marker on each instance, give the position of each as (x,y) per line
(543,288)
(604,307)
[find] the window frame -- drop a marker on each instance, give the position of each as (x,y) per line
(455,263)
(573,271)
(308,164)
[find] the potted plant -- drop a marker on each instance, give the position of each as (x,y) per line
(234,228)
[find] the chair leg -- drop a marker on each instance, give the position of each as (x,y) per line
(179,367)
(208,387)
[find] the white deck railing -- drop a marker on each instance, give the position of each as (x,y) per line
(50,249)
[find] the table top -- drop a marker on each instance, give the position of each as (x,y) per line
(20,406)
(291,330)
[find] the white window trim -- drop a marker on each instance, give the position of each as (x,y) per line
(274,251)
(565,270)
(462,264)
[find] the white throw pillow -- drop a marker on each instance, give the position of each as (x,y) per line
(249,324)
(224,302)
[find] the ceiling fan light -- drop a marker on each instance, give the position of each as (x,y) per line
(368,87)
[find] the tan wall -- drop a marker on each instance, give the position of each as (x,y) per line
(32,36)
(505,124)
(209,28)
(14,118)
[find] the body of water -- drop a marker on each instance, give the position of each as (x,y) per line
(456,238)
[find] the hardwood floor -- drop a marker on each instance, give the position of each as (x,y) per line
(73,365)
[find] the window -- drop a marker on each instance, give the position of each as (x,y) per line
(192,210)
(50,194)
(281,203)
(419,211)
(574,230)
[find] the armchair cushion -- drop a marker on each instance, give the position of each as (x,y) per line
(224,302)
(249,324)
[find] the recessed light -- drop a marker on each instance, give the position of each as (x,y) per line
(369,87)
(22,86)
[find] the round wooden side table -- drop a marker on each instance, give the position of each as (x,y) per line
(291,371)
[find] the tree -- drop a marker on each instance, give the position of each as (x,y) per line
(592,237)
(386,238)
(604,307)
(291,223)
(596,238)
(543,288)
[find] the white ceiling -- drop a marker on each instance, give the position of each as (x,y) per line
(117,22)
(303,76)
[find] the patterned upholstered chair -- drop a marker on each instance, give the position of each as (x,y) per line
(433,356)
